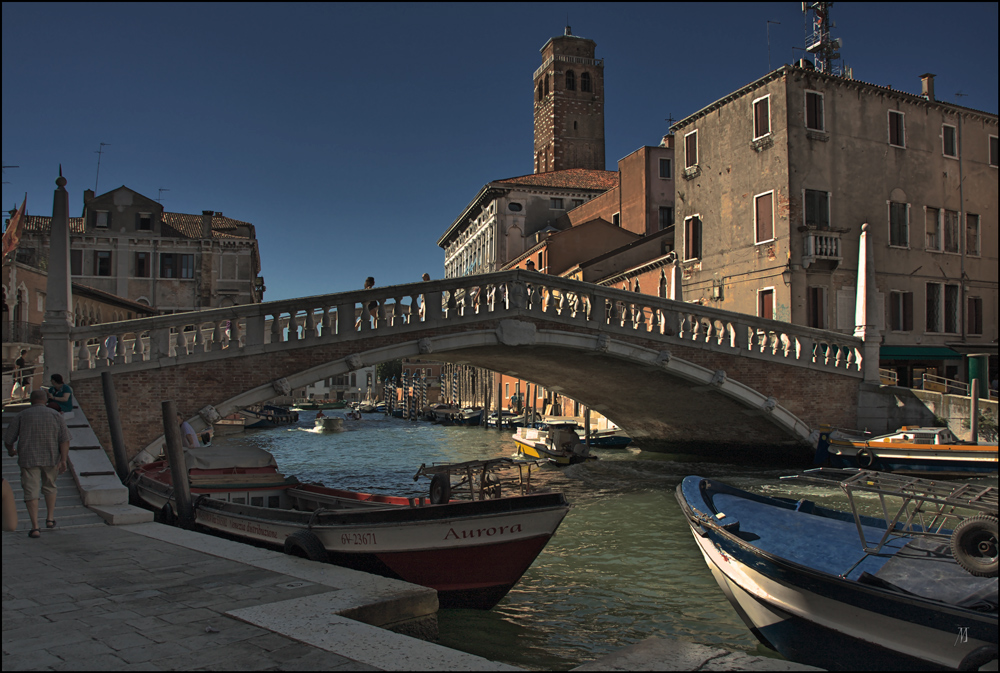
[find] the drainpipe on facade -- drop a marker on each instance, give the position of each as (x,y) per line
(962,233)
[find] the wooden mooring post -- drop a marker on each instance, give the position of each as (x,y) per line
(178,467)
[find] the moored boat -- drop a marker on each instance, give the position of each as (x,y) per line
(896,598)
(320,404)
(560,446)
(913,450)
(609,439)
(471,551)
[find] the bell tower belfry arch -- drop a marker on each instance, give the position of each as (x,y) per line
(569,105)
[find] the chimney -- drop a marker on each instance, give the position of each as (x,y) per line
(88,195)
(206,223)
(668,141)
(927,86)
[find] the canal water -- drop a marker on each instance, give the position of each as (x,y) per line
(622,567)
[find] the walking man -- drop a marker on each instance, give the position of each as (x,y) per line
(42,453)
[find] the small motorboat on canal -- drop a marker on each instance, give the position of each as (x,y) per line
(911,450)
(559,445)
(609,439)
(471,551)
(329,423)
(320,404)
(262,416)
(911,594)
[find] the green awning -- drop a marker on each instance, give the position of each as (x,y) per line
(917,353)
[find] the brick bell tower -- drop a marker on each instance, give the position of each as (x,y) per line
(569,105)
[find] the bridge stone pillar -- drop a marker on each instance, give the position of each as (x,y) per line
(58,319)
(865,322)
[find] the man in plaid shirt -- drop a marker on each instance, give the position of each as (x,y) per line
(42,453)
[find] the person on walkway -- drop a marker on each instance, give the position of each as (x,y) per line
(189,440)
(23,378)
(42,452)
(60,395)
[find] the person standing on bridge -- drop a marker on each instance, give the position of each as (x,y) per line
(42,452)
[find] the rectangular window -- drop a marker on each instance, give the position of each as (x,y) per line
(972,235)
(899,224)
(555,204)
(144,222)
(897,132)
(76,262)
(102,262)
(932,226)
(951,236)
(764,217)
(175,265)
(816,307)
(993,151)
(901,311)
(765,303)
(666,217)
(814,111)
(692,237)
(666,169)
(949,138)
(951,309)
(761,117)
(142,265)
(691,149)
(103,219)
(974,315)
(817,209)
(933,308)
(577,202)
(616,219)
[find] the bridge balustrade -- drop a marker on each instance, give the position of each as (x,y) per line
(357,315)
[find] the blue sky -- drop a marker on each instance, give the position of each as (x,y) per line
(353,135)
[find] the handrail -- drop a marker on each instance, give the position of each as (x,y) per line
(346,316)
(941,384)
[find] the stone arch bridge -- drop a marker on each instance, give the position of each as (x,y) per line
(675,376)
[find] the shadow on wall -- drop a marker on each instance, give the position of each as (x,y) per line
(888,408)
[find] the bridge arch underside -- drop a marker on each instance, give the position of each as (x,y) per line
(685,399)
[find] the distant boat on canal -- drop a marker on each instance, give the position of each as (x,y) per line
(558,445)
(321,404)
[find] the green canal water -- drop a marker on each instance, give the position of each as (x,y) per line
(622,567)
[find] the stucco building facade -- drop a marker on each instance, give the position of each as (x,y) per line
(776,179)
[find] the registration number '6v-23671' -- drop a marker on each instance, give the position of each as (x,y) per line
(358,538)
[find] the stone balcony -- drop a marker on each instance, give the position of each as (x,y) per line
(821,245)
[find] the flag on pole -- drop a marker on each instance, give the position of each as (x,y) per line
(12,235)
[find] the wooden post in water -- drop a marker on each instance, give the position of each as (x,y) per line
(499,400)
(586,424)
(974,409)
(178,468)
(115,426)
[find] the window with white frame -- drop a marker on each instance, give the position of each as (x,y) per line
(814,111)
(691,149)
(951,234)
(932,228)
(901,311)
(949,140)
(972,235)
(897,131)
(765,303)
(616,219)
(666,169)
(762,117)
(692,237)
(764,217)
(899,224)
(817,209)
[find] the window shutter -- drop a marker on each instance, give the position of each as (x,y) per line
(765,217)
(907,311)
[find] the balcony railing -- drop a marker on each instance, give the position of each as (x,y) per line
(821,245)
(22,332)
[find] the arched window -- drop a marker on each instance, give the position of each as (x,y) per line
(570,80)
(539,91)
(585,81)
(546,85)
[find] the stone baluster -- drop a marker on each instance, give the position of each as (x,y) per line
(235,333)
(180,348)
(83,356)
(329,321)
(413,314)
(293,326)
(140,348)
(119,354)
(310,326)
(218,336)
(275,328)
(200,344)
(102,353)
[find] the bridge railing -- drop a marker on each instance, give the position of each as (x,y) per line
(359,314)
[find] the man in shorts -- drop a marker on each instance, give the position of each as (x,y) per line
(42,454)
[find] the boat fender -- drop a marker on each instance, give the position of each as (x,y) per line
(440,489)
(978,657)
(167,515)
(865,458)
(305,544)
(974,545)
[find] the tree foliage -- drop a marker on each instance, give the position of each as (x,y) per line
(388,370)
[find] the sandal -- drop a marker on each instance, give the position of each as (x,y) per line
(34,532)
(50,523)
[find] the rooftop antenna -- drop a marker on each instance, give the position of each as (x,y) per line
(159,198)
(819,43)
(959,95)
(670,120)
(5,170)
(769,22)
(99,153)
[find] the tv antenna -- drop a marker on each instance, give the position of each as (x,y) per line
(818,40)
(99,152)
(5,170)
(769,22)
(159,198)
(959,95)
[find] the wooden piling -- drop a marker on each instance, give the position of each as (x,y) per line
(115,427)
(178,467)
